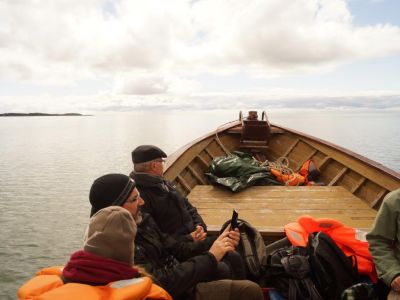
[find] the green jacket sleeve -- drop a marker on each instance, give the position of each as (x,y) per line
(383,239)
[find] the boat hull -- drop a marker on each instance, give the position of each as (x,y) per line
(364,179)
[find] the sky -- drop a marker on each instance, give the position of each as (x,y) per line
(126,55)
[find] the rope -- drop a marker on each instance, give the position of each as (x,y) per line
(281,164)
(217,137)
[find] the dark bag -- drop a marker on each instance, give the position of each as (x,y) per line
(251,248)
(361,291)
(332,270)
(238,171)
(289,271)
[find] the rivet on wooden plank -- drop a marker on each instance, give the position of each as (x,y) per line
(378,198)
(338,176)
(196,175)
(291,148)
(358,185)
(184,183)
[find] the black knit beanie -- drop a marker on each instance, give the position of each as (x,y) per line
(110,189)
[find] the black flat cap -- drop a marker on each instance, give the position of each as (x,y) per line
(110,189)
(145,153)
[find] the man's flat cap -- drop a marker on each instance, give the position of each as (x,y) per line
(145,153)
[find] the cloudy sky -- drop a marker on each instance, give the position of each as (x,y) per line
(125,55)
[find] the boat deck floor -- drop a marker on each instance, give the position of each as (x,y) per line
(269,208)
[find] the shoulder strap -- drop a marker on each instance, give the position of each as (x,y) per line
(312,291)
(250,259)
(292,294)
(302,289)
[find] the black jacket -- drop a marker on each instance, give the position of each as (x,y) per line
(176,266)
(171,211)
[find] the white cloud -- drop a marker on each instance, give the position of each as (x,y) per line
(152,50)
(262,99)
(80,38)
(277,37)
(131,83)
(140,85)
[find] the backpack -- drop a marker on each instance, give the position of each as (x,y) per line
(361,291)
(251,248)
(332,270)
(289,271)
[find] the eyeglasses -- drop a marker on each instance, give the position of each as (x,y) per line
(161,160)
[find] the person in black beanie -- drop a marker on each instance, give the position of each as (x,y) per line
(186,270)
(110,186)
(173,213)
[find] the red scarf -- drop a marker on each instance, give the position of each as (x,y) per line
(85,267)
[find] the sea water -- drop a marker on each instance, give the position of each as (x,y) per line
(47,165)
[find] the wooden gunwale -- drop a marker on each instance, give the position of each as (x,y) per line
(181,151)
(359,157)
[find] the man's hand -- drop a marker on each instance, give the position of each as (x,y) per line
(199,234)
(227,241)
(234,235)
(395,285)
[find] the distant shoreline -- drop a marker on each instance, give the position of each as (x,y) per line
(41,115)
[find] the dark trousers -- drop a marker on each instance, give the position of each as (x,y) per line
(231,267)
(228,290)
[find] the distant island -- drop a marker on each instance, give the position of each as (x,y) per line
(40,115)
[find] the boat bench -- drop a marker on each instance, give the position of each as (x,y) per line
(270,208)
(238,130)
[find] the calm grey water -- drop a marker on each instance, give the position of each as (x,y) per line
(47,165)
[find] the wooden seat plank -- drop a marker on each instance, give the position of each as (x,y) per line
(238,130)
(269,208)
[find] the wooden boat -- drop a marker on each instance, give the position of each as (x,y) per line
(354,185)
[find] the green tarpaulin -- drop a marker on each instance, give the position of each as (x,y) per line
(238,171)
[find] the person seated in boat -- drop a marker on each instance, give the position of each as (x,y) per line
(172,212)
(384,243)
(186,270)
(107,257)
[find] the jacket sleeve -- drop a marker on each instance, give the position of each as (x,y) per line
(184,276)
(183,250)
(183,238)
(197,219)
(383,239)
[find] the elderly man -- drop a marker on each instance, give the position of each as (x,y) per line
(186,270)
(171,211)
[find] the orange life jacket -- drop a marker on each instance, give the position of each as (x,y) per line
(349,240)
(309,171)
(288,179)
(47,285)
